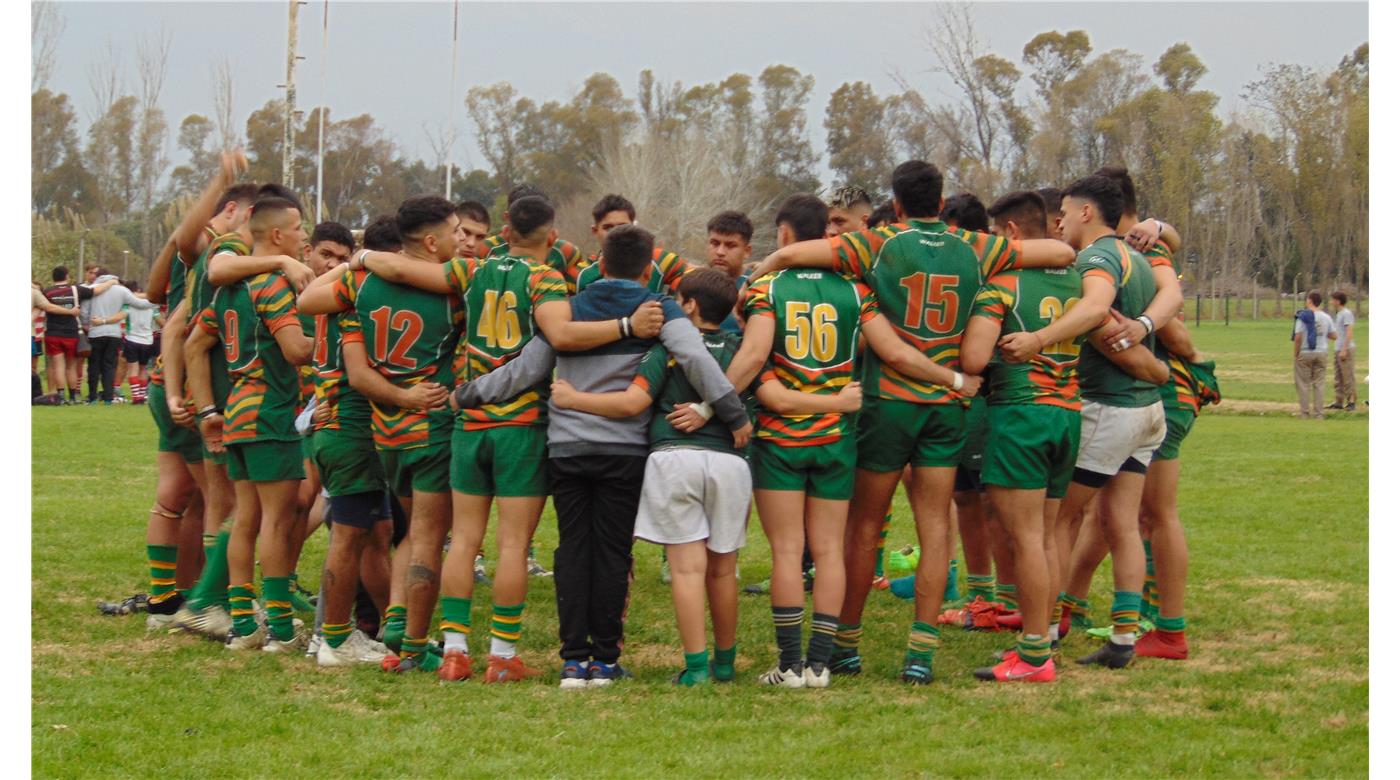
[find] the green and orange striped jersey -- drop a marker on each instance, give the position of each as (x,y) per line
(817,317)
(1180,392)
(262,404)
(500,295)
(665,272)
(348,409)
(565,257)
(925,278)
(1025,301)
(1099,379)
(308,372)
(410,336)
(200,294)
(1160,256)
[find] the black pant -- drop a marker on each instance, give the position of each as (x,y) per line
(595,498)
(102,363)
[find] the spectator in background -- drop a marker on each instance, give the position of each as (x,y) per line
(1345,358)
(105,316)
(138,345)
(1311,330)
(39,309)
(61,333)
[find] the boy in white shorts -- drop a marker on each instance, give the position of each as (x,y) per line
(696,491)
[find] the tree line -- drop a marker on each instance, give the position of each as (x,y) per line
(1276,193)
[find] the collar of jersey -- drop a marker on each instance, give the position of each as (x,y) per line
(934,224)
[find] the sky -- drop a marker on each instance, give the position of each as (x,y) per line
(394,60)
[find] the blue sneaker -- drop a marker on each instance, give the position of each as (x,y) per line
(600,674)
(573,675)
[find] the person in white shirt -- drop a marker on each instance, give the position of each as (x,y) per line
(1312,329)
(138,345)
(1344,360)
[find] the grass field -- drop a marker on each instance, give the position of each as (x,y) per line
(1277,684)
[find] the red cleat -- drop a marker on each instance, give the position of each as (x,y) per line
(1010,622)
(983,615)
(390,663)
(881,583)
(1161,644)
(511,669)
(456,666)
(1013,669)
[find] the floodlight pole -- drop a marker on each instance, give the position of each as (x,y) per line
(321,124)
(288,151)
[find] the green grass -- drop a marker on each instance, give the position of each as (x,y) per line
(1277,684)
(1254,362)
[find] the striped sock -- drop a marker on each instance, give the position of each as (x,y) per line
(1150,598)
(1172,625)
(787,624)
(209,541)
(456,623)
(1006,595)
(240,600)
(1127,606)
(1034,649)
(161,558)
(980,585)
(847,639)
(819,643)
(278,592)
(724,663)
(335,634)
(880,546)
(505,628)
(213,585)
(923,641)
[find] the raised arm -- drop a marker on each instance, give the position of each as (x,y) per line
(191,227)
(159,278)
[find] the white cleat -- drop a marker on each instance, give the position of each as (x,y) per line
(211,621)
(811,679)
(296,645)
(253,641)
(356,649)
(156,622)
(786,678)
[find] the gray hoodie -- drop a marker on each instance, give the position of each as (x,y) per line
(107,304)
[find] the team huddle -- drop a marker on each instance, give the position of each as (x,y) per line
(1021,369)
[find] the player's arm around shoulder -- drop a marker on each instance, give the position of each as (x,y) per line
(637,398)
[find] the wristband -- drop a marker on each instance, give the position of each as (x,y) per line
(621,328)
(1147,323)
(704,410)
(360,258)
(208,411)
(627,327)
(1160,227)
(957,380)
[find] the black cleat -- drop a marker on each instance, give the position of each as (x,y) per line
(128,605)
(1110,655)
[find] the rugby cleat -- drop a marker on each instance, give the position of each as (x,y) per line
(665,571)
(513,669)
(784,678)
(1109,655)
(1013,669)
(356,649)
(297,644)
(811,678)
(845,664)
(902,560)
(137,602)
(881,583)
(456,666)
(1160,644)
(916,674)
(479,570)
(253,641)
(534,569)
(212,621)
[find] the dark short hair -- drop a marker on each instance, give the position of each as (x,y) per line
(1104,193)
(243,194)
(731,223)
(265,207)
(523,190)
(918,186)
(275,190)
(965,211)
(382,234)
(804,214)
(712,290)
(131,285)
(1125,183)
(883,215)
(626,251)
(1052,197)
(470,209)
(1315,298)
(529,214)
(416,215)
(1025,208)
(611,203)
(1340,297)
(97,270)
(60,273)
(848,196)
(333,232)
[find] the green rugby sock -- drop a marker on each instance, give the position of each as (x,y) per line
(724,663)
(923,641)
(335,634)
(1127,608)
(1006,595)
(1034,649)
(505,626)
(417,649)
(209,541)
(161,558)
(456,625)
(240,600)
(880,546)
(980,585)
(395,620)
(847,640)
(697,668)
(787,625)
(1171,625)
(950,588)
(278,592)
(212,587)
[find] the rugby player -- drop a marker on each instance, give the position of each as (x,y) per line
(848,208)
(565,257)
(666,268)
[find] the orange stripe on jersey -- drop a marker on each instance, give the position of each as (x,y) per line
(1099,272)
(824,429)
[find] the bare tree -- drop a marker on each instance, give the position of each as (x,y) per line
(152,58)
(221,86)
(105,81)
(46,25)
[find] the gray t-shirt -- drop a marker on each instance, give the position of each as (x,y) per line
(1323,325)
(1346,318)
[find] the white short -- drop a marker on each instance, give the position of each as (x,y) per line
(1109,435)
(689,494)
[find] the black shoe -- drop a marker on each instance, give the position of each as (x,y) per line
(1332,406)
(1110,655)
(128,605)
(168,607)
(1351,407)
